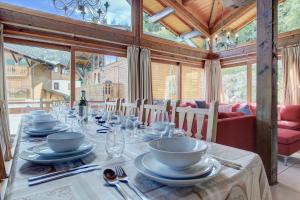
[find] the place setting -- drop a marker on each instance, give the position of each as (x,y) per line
(177,161)
(39,123)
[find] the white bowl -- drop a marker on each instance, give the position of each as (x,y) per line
(42,117)
(63,142)
(179,152)
(44,125)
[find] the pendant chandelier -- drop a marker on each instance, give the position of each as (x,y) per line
(95,10)
(226,39)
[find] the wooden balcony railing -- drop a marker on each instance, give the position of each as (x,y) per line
(16,71)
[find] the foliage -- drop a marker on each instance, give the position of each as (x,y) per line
(288,20)
(235,84)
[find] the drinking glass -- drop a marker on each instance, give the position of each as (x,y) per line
(115,142)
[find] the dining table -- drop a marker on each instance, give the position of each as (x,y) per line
(249,182)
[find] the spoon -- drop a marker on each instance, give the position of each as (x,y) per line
(111,178)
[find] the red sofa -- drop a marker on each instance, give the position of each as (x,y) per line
(233,129)
(236,130)
(289,117)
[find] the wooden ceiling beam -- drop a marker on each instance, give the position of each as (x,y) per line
(236,14)
(187,2)
(284,39)
(28,18)
(213,14)
(190,35)
(36,44)
(172,48)
(187,17)
(162,14)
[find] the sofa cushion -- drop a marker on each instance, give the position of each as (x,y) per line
(235,107)
(245,109)
(290,112)
(289,125)
(287,136)
(200,104)
(225,108)
(224,115)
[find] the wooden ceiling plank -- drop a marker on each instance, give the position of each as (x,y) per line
(162,14)
(232,18)
(186,16)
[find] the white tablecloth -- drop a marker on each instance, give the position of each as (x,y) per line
(248,183)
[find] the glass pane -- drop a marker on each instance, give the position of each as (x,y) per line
(192,79)
(118,13)
(235,84)
(254,83)
(279,82)
(35,77)
(164,81)
(158,29)
(101,76)
(288,20)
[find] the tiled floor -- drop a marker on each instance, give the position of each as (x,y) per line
(288,187)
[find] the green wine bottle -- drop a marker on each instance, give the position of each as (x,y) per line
(83,106)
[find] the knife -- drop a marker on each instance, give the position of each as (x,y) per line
(63,175)
(60,172)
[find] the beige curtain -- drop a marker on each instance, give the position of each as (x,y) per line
(213,80)
(133,73)
(291,79)
(145,75)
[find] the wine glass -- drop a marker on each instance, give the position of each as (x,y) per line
(115,142)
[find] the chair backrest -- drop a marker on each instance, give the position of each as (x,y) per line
(127,108)
(188,114)
(4,131)
(153,111)
(112,106)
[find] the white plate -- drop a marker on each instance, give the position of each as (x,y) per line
(45,150)
(200,168)
(43,134)
(176,182)
(55,128)
(30,156)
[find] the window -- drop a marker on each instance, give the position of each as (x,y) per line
(235,84)
(118,14)
(95,77)
(28,85)
(164,81)
(159,29)
(288,20)
(192,79)
(56,86)
(279,82)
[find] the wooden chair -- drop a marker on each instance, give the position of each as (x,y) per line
(112,106)
(127,109)
(5,154)
(153,111)
(188,114)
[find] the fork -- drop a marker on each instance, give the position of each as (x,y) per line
(122,177)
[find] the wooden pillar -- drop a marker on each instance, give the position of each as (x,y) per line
(249,82)
(137,20)
(266,117)
(73,77)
